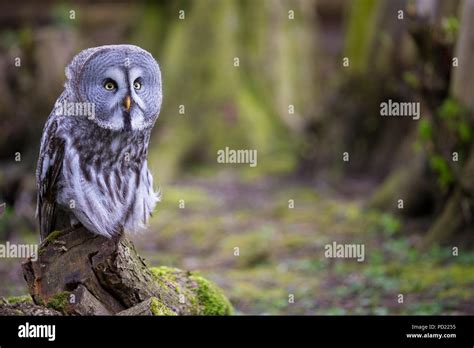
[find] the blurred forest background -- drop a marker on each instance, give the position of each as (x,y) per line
(295,99)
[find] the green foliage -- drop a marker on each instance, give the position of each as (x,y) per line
(465,132)
(441,167)
(454,127)
(390,224)
(456,117)
(411,80)
(425,130)
(450,26)
(450,109)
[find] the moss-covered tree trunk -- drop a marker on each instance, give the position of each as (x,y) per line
(412,180)
(79,273)
(238,79)
(368,73)
(457,214)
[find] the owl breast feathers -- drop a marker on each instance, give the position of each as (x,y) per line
(92,167)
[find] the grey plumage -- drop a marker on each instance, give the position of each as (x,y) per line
(92,166)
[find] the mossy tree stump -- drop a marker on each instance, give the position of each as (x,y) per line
(79,273)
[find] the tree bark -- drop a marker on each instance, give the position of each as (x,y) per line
(413,180)
(463,75)
(24,308)
(456,216)
(80,273)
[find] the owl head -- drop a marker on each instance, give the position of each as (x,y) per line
(122,82)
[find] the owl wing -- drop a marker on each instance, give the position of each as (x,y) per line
(49,167)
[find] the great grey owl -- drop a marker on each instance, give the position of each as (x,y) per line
(92,167)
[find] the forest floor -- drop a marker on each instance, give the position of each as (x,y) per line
(270,258)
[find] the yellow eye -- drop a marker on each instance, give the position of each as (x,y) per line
(137,85)
(109,85)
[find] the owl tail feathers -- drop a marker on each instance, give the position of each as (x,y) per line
(132,219)
(52,218)
(157,195)
(139,221)
(157,198)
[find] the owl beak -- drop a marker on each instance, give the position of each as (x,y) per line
(127,102)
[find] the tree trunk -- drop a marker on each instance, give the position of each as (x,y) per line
(463,75)
(80,273)
(457,213)
(456,216)
(413,180)
(368,75)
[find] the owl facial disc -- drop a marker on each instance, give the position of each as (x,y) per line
(124,84)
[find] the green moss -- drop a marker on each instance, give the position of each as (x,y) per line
(211,299)
(60,301)
(164,273)
(206,297)
(437,279)
(360,33)
(168,277)
(18,299)
(158,308)
(39,301)
(52,236)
